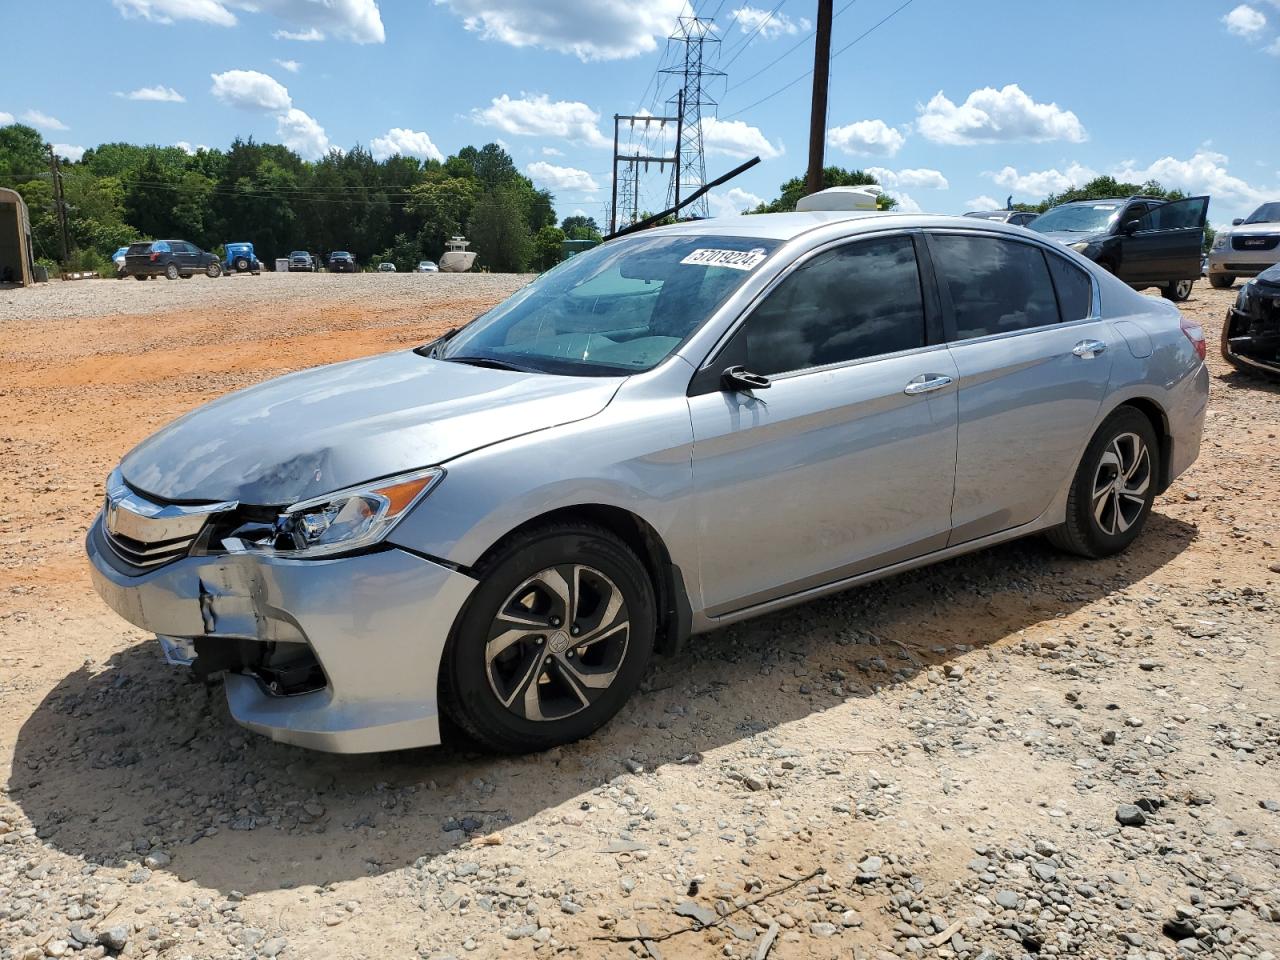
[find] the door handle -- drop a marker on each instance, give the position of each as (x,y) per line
(927,383)
(1088,349)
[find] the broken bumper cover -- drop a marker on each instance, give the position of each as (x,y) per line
(377,624)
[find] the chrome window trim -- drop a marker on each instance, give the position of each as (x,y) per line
(750,307)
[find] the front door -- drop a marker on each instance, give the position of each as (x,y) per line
(1034,366)
(1167,243)
(845,463)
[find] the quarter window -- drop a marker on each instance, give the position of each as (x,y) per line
(860,300)
(1074,286)
(996,286)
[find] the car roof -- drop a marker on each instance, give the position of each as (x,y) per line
(1136,196)
(788,226)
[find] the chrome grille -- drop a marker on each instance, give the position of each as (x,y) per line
(146,534)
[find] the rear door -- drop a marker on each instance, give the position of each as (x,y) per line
(1167,243)
(846,462)
(1034,362)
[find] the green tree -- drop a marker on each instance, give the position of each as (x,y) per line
(404,253)
(579,227)
(791,191)
(1101,188)
(500,230)
(22,154)
(548,248)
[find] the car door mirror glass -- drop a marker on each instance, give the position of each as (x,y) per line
(1132,226)
(1237,221)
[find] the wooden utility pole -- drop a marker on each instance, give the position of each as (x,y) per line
(818,108)
(60,204)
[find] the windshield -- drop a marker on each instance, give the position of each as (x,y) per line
(299,253)
(340,255)
(1077,218)
(620,308)
(1267,213)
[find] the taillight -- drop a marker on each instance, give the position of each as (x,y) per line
(155,257)
(1195,333)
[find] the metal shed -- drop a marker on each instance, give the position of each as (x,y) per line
(16,262)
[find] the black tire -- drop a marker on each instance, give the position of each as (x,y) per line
(171,272)
(185,276)
(1221,281)
(138,276)
(214,270)
(470,677)
(242,264)
(1122,516)
(1177,290)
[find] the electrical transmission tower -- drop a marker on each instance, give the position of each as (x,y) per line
(691,173)
(625,207)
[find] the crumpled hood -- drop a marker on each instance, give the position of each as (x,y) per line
(320,430)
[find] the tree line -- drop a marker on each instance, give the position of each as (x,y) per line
(400,209)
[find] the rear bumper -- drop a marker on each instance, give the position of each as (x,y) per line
(377,623)
(1188,402)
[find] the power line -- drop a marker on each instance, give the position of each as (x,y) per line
(809,72)
(746,41)
(786,53)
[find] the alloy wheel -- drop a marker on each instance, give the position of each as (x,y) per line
(1182,290)
(557,642)
(1120,484)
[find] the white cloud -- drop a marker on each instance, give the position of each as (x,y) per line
(301,36)
(1245,21)
(188,149)
(1274,47)
(167,11)
(736,138)
(551,177)
(407,143)
(777,25)
(595,30)
(157,94)
(540,116)
(1040,183)
(552,152)
(997,116)
(919,177)
(983,202)
(293,66)
(5,118)
(38,119)
(906,203)
(301,134)
(68,151)
(873,137)
(355,20)
(250,90)
(1205,172)
(732,202)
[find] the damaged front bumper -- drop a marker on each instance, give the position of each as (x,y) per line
(1251,331)
(335,654)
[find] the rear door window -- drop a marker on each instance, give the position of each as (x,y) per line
(1074,288)
(995,285)
(859,300)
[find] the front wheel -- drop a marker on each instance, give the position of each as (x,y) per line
(242,264)
(552,642)
(1221,281)
(1177,291)
(1113,489)
(213,270)
(171,272)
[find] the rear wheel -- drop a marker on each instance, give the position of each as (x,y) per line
(242,264)
(138,276)
(552,642)
(1177,291)
(171,272)
(1113,489)
(1221,281)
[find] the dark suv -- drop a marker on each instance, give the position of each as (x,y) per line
(342,262)
(1145,241)
(169,258)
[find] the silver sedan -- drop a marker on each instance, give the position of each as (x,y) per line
(671,432)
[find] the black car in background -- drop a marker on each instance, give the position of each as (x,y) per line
(1251,333)
(1145,241)
(342,262)
(169,258)
(1016,218)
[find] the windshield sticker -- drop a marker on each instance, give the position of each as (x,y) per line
(733,259)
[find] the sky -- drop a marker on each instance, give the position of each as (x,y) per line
(954,105)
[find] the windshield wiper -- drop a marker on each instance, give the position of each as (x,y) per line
(491,362)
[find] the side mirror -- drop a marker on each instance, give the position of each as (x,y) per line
(739,378)
(1237,221)
(1132,227)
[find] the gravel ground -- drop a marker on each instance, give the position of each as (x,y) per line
(1009,755)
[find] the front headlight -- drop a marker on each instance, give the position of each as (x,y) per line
(342,521)
(1080,246)
(1220,240)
